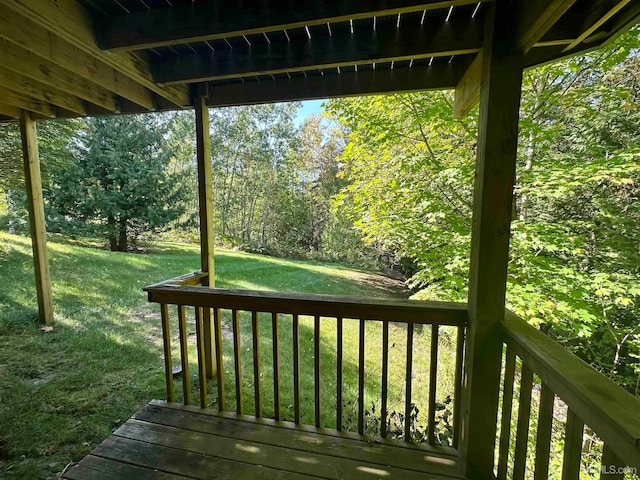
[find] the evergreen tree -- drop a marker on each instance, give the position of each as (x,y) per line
(119,183)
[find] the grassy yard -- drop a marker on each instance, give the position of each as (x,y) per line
(64,391)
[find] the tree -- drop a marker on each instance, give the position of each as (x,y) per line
(53,139)
(250,149)
(119,182)
(303,206)
(409,169)
(574,261)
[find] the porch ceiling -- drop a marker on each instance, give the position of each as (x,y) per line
(68,58)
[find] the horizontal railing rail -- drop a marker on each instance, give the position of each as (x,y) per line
(564,390)
(295,321)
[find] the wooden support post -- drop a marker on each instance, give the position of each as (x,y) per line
(36,216)
(205,196)
(501,82)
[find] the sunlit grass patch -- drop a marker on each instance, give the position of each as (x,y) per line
(62,392)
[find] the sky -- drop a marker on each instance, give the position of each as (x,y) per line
(308,108)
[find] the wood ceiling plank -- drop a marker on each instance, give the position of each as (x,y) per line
(9,111)
(32,37)
(42,70)
(213,20)
(40,91)
(70,21)
(359,48)
(26,103)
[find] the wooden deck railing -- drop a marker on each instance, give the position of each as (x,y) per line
(237,314)
(559,395)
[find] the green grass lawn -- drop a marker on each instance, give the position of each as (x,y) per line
(62,392)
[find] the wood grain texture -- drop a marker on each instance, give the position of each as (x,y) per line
(572,447)
(604,406)
(543,435)
(205,210)
(184,355)
(70,21)
(199,443)
(501,82)
(36,39)
(505,422)
(522,430)
(406,311)
(237,359)
(24,62)
(166,345)
(37,227)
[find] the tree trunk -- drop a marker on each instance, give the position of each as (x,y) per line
(113,240)
(10,208)
(123,244)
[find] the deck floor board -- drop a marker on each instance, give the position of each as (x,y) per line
(167,441)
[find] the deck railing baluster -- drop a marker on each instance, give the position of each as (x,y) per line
(339,373)
(408,377)
(522,431)
(316,367)
(217,321)
(237,357)
(457,388)
(255,331)
(505,422)
(276,365)
(611,467)
(184,355)
(385,378)
(202,370)
(183,292)
(572,447)
(433,382)
(296,367)
(166,342)
(361,365)
(543,436)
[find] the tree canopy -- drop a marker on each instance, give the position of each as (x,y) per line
(574,264)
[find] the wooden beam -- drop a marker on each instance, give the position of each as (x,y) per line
(468,89)
(207,237)
(601,19)
(9,111)
(534,19)
(501,81)
(205,185)
(40,91)
(202,21)
(417,78)
(33,66)
(358,48)
(27,103)
(30,36)
(70,21)
(36,217)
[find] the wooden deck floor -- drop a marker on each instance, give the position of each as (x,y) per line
(170,441)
